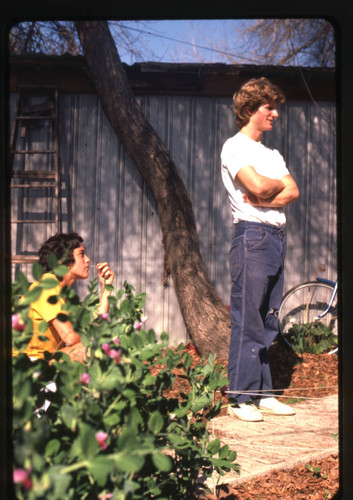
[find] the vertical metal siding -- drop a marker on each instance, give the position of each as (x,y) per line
(309,148)
(116,215)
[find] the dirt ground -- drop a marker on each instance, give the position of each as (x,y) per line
(311,375)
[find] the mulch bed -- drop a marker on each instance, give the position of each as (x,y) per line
(316,483)
(311,375)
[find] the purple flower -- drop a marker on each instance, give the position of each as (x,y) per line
(85,378)
(101,438)
(17,323)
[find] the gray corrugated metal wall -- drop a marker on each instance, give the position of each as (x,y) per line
(114,212)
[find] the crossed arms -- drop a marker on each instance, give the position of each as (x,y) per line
(265,192)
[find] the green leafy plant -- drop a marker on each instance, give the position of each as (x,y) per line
(316,471)
(113,428)
(335,436)
(313,338)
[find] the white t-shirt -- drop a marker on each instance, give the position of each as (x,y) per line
(240,151)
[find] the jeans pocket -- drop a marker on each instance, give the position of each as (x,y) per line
(255,238)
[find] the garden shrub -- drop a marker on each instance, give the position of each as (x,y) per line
(112,430)
(315,338)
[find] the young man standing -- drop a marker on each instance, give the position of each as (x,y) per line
(259,186)
(61,336)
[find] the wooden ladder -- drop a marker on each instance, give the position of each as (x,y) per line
(35,165)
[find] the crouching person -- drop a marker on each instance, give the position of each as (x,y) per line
(61,335)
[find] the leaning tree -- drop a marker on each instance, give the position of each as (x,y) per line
(206,317)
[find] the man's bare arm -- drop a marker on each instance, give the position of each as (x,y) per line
(259,185)
(289,194)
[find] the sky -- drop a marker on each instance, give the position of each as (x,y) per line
(217,41)
(185,40)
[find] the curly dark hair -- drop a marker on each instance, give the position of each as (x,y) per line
(62,246)
(253,94)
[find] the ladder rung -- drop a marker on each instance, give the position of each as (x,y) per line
(33,185)
(34,174)
(39,221)
(37,88)
(24,259)
(34,118)
(31,152)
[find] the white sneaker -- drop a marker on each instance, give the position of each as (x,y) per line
(245,411)
(272,405)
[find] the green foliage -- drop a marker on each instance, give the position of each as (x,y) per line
(316,471)
(111,431)
(314,338)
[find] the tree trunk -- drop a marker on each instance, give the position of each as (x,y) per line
(206,318)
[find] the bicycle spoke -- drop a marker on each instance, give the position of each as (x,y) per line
(308,304)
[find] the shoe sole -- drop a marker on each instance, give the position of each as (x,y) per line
(231,414)
(272,412)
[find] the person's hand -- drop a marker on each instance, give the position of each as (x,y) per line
(252,199)
(105,274)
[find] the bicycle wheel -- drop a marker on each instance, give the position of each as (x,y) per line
(303,303)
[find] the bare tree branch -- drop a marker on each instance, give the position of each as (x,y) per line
(307,42)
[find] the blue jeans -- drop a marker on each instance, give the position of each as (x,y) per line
(257,271)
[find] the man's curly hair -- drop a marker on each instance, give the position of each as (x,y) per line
(62,246)
(253,94)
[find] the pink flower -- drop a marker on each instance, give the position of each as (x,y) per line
(112,353)
(105,348)
(105,316)
(85,378)
(138,324)
(21,476)
(101,438)
(116,355)
(18,323)
(105,496)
